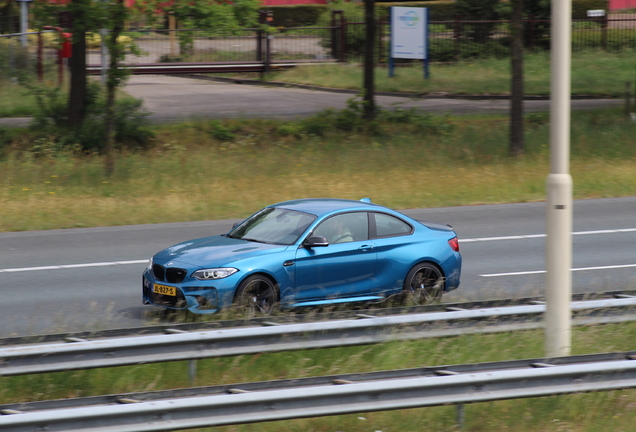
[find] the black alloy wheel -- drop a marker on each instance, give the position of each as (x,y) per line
(423,285)
(257,296)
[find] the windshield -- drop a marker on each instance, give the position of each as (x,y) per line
(273,225)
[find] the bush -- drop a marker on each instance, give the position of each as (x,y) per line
(51,120)
(220,132)
(351,119)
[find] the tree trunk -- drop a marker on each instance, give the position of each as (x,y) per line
(369,61)
(112,82)
(517,146)
(77,63)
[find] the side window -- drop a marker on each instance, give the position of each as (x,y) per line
(344,228)
(387,226)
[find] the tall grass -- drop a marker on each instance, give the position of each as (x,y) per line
(594,72)
(194,172)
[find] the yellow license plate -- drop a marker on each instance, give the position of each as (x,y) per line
(165,290)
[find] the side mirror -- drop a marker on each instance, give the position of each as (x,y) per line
(316,241)
(237,224)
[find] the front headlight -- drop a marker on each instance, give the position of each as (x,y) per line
(150,263)
(214,273)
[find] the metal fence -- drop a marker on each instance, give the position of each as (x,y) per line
(465,38)
(19,54)
(343,40)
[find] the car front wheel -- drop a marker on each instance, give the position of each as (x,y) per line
(423,285)
(256,296)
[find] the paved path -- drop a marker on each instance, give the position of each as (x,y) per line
(174,99)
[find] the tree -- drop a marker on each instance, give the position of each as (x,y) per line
(80,22)
(487,10)
(116,17)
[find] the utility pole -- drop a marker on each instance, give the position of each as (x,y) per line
(558,322)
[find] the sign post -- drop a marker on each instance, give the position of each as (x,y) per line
(409,36)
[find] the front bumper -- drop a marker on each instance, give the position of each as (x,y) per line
(189,295)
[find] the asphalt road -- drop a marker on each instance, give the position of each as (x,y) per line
(175,99)
(83,279)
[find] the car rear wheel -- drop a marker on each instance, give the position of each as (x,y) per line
(257,296)
(423,285)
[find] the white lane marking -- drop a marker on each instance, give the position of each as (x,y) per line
(574,269)
(533,236)
(71,266)
(483,239)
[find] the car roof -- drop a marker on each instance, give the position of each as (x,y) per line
(323,206)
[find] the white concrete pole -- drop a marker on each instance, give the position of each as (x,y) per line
(558,339)
(24,22)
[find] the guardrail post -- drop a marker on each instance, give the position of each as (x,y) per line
(192,370)
(460,416)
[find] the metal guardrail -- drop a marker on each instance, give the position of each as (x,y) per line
(54,357)
(311,315)
(311,397)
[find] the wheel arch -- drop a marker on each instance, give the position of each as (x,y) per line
(257,273)
(426,261)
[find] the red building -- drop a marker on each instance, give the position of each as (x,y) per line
(616,5)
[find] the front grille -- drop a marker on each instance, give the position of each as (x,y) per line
(175,275)
(159,272)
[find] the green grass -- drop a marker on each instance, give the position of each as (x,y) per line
(190,175)
(604,411)
(14,100)
(593,73)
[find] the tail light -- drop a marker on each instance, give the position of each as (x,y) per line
(454,244)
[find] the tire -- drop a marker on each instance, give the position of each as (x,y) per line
(423,285)
(257,296)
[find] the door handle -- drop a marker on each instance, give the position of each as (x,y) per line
(365,247)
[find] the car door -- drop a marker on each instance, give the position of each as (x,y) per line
(393,238)
(345,268)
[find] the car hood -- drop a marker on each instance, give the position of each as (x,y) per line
(215,250)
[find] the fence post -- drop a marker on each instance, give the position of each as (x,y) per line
(343,38)
(531,31)
(457,36)
(604,32)
(40,70)
(627,98)
(268,52)
(262,19)
(172,36)
(380,37)
(334,54)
